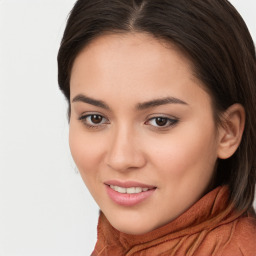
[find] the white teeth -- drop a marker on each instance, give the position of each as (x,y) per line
(132,190)
(138,190)
(118,189)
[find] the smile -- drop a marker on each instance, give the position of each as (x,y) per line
(129,193)
(131,190)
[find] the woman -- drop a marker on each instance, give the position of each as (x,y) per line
(162,124)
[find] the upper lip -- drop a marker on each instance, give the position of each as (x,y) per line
(128,184)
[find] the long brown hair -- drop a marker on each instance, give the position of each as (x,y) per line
(213,36)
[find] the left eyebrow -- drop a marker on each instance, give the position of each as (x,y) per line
(159,102)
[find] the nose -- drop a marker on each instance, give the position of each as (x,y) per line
(124,152)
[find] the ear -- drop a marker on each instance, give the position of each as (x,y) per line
(231,131)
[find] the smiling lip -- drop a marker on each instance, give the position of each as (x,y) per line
(128,199)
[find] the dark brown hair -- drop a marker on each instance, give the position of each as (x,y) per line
(213,36)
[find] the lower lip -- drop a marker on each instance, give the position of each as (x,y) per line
(125,199)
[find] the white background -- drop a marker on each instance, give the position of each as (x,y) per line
(45,208)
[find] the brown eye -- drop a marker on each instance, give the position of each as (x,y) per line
(161,121)
(96,119)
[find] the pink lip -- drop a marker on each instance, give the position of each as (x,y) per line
(128,199)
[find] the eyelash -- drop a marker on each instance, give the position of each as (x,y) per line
(93,125)
(169,122)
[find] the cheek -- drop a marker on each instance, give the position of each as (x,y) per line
(188,151)
(85,151)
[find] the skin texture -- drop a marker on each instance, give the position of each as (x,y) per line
(127,144)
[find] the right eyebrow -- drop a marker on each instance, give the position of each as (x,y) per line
(91,101)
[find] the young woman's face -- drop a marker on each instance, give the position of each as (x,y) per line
(142,132)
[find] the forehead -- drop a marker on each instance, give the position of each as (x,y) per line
(133,64)
(129,49)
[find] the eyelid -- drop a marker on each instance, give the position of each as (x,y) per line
(172,121)
(83,118)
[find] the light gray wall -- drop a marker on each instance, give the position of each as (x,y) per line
(45,209)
